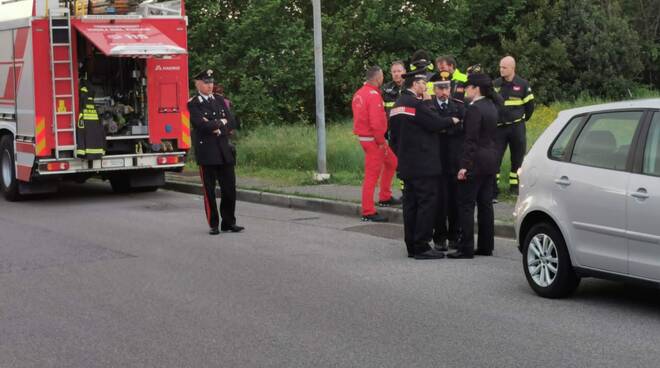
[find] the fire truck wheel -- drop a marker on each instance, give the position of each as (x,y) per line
(8,183)
(151,188)
(120,184)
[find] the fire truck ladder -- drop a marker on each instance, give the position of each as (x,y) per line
(61,66)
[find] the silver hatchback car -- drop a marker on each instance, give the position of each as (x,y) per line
(589,201)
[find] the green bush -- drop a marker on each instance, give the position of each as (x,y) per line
(263,50)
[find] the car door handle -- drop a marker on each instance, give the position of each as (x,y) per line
(640,194)
(563,181)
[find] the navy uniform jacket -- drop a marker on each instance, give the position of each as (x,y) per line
(414,131)
(451,139)
(205,117)
(479,152)
(517,100)
(391,93)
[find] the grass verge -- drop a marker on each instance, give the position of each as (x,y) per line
(286,155)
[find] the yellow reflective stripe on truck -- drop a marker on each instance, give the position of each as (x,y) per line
(185,131)
(40,137)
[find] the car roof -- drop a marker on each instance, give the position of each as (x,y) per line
(649,103)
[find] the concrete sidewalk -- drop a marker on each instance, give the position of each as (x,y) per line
(329,198)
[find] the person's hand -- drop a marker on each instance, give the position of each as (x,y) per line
(384,147)
(217,132)
(462,174)
(224,121)
(455,120)
(426,96)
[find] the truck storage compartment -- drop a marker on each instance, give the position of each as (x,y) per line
(119,89)
(137,86)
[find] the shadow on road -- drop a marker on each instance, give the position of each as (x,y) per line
(623,295)
(94,189)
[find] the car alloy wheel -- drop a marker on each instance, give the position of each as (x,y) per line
(547,263)
(542,260)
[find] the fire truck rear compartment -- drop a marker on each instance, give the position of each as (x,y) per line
(119,85)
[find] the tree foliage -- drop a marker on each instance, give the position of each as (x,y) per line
(263,49)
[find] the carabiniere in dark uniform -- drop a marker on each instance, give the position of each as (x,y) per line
(478,164)
(446,227)
(213,124)
(415,128)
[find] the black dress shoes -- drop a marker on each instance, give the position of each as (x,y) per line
(430,254)
(233,228)
(459,255)
(376,217)
(480,252)
(442,247)
(390,202)
(214,231)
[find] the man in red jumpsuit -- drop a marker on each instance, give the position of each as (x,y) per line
(370,125)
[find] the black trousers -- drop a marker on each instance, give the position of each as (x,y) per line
(477,189)
(419,210)
(515,137)
(225,176)
(446,225)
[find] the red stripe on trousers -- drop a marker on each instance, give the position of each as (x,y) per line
(207,207)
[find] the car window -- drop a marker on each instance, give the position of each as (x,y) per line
(605,140)
(559,148)
(652,150)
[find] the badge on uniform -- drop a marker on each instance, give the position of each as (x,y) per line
(516,88)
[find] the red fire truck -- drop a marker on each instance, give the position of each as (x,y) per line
(137,67)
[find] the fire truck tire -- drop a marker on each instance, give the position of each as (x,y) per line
(120,184)
(148,189)
(8,183)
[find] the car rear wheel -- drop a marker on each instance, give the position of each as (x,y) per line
(547,264)
(8,183)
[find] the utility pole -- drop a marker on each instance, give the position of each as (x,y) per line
(321,170)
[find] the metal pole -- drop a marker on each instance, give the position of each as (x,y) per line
(322,171)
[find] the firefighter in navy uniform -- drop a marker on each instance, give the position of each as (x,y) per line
(392,90)
(421,59)
(518,108)
(415,129)
(446,229)
(90,135)
(213,124)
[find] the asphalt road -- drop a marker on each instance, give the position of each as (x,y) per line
(93,279)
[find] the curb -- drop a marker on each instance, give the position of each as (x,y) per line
(334,207)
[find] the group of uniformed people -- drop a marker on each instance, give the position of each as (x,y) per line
(448,131)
